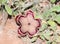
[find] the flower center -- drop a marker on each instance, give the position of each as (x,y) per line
(29,23)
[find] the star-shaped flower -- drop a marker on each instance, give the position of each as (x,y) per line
(28,25)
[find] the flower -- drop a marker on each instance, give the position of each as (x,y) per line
(27,24)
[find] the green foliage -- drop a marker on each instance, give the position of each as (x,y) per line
(8,9)
(43,27)
(55,8)
(52,24)
(33,39)
(48,42)
(3,1)
(42,37)
(47,34)
(0,1)
(49,16)
(37,15)
(52,1)
(57,38)
(15,12)
(54,43)
(57,19)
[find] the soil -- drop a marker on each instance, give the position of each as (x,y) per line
(9,34)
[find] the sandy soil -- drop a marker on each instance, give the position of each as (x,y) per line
(9,34)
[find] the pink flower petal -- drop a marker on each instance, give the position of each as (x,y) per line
(24,28)
(21,33)
(29,25)
(35,23)
(30,17)
(32,30)
(23,21)
(17,19)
